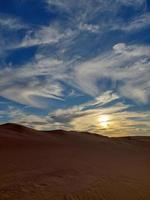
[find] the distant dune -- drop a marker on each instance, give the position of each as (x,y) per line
(60,165)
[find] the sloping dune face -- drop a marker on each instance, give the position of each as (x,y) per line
(61,165)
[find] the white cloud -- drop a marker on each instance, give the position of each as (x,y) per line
(123,68)
(33,36)
(122,71)
(85,117)
(31,94)
(135,3)
(89,27)
(127,64)
(33,81)
(45,35)
(77,21)
(9,25)
(88,108)
(136,23)
(135,92)
(119,48)
(10,22)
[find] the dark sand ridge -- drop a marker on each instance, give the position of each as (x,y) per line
(59,165)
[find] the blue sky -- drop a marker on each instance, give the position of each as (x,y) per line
(67,64)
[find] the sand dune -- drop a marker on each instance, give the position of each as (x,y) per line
(59,165)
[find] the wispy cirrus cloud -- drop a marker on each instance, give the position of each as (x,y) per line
(11,23)
(124,69)
(132,2)
(53,33)
(121,122)
(95,50)
(134,24)
(85,117)
(32,94)
(28,83)
(126,64)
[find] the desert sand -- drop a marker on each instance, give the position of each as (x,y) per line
(60,165)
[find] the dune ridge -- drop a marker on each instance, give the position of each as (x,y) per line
(65,165)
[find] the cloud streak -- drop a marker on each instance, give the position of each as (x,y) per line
(126,64)
(85,117)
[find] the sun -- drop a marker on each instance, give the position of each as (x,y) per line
(104,121)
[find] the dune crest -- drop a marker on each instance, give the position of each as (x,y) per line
(62,165)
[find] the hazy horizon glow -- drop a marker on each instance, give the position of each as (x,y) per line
(76,65)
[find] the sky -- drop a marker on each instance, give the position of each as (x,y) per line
(76,65)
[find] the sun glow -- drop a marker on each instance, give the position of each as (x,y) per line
(104,121)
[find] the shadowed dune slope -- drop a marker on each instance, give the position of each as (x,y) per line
(62,165)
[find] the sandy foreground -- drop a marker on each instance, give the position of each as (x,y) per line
(61,165)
